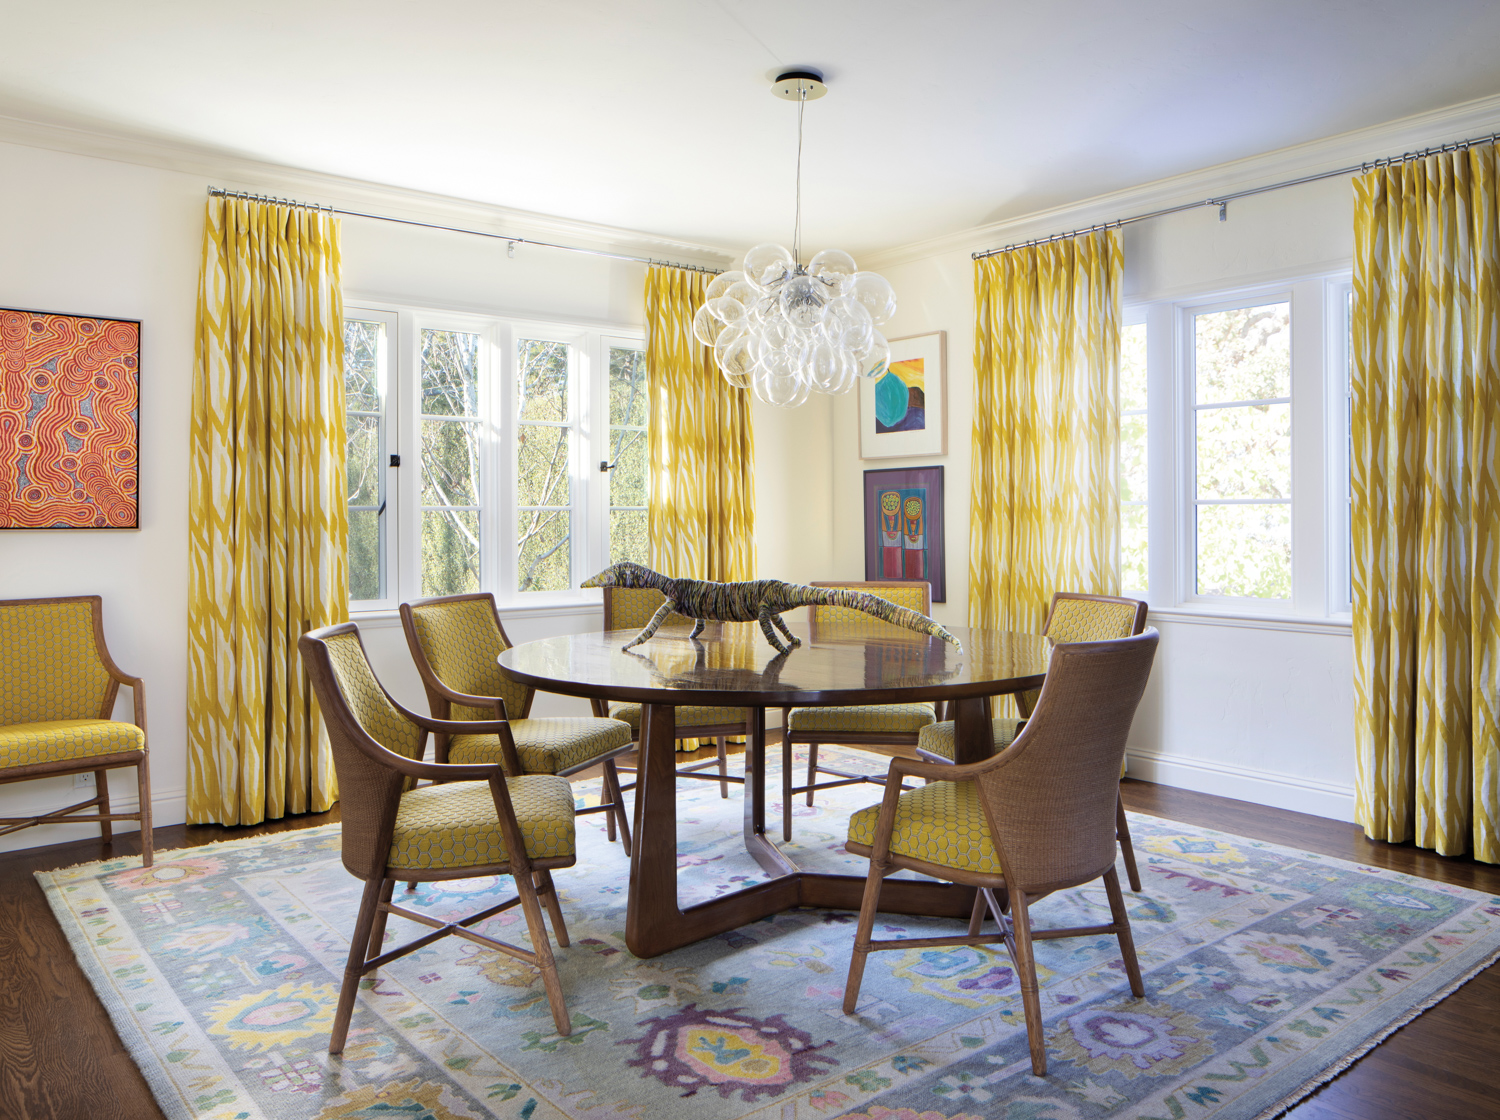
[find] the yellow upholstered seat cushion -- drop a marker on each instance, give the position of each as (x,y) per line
(546,746)
(940,823)
(55,740)
(454,825)
(866,718)
(689,715)
(938,738)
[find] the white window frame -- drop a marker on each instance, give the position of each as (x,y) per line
(603,494)
(588,407)
(1316,351)
(390,409)
(1134,317)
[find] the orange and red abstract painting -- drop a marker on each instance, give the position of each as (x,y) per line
(69,421)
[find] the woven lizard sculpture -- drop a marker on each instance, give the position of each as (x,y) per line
(760,600)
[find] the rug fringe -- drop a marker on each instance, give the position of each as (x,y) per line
(1338,1067)
(168,854)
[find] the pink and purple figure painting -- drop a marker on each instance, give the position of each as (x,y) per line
(900,398)
(904,526)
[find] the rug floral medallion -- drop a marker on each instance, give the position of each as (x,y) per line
(1266,969)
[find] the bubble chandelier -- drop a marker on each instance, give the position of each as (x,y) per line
(784,330)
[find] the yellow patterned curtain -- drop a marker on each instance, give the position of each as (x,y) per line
(1044,502)
(1425,476)
(702,456)
(267,509)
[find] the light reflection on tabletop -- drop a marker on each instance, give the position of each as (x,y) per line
(732,659)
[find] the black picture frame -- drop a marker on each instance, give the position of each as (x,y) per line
(880,564)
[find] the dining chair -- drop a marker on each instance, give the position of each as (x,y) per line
(892,725)
(1036,818)
(474,820)
(58,685)
(455,640)
(1072,617)
(631,608)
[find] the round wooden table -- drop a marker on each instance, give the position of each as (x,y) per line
(731,665)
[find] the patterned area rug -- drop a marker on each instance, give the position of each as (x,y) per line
(1267,970)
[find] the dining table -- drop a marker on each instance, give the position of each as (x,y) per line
(731,665)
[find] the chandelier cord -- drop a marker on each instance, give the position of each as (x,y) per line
(797,228)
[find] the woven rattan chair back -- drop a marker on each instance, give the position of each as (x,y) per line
(458,638)
(1050,796)
(360,718)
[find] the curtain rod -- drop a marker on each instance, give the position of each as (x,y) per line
(512,242)
(1222,201)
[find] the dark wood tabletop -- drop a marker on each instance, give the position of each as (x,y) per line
(732,665)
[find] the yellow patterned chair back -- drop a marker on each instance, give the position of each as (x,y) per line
(370,792)
(459,637)
(630,608)
(913,595)
(1088,618)
(50,667)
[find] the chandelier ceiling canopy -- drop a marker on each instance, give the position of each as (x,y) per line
(783,329)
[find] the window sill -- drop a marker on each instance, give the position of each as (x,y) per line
(1211,616)
(379,619)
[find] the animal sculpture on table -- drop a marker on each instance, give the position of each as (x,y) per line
(760,600)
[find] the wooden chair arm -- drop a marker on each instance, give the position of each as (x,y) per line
(464,726)
(455,697)
(938,771)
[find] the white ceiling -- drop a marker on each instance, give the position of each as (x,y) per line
(658,117)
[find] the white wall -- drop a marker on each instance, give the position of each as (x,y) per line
(93,235)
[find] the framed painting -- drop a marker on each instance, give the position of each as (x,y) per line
(904,411)
(69,421)
(904,527)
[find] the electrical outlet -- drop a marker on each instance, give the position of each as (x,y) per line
(83,781)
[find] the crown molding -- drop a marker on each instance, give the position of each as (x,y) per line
(1422,130)
(233,172)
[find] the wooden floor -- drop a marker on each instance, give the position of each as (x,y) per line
(60,1057)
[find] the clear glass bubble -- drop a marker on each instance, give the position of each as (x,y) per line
(706,328)
(802,302)
(765,264)
(720,284)
(735,356)
(744,292)
(876,294)
(848,373)
(831,263)
(725,309)
(875,357)
(823,367)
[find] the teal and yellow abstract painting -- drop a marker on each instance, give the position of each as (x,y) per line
(901,398)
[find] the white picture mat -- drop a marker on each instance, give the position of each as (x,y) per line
(932,440)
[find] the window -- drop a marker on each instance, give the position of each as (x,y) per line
(1233,488)
(1242,451)
(366,362)
(502,421)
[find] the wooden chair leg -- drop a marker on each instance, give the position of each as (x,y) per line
(786,786)
(547,891)
(723,768)
(812,770)
(1122,931)
(101,795)
(355,966)
(143,785)
(867,907)
(541,945)
(1127,849)
(377,931)
(617,815)
(976,916)
(1025,959)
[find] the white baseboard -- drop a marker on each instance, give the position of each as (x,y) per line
(1263,787)
(167,807)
